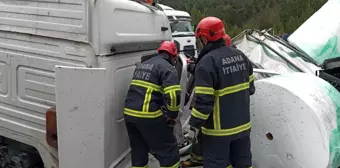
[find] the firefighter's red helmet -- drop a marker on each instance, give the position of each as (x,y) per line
(227,40)
(212,28)
(169,47)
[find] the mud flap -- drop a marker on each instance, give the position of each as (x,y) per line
(80,104)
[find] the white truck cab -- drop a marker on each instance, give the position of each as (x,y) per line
(65,68)
(182,31)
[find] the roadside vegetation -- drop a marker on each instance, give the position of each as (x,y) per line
(285,16)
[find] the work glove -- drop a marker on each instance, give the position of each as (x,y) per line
(192,135)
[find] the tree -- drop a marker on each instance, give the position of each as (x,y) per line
(282,15)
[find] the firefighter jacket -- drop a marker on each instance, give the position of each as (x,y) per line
(155,84)
(223,83)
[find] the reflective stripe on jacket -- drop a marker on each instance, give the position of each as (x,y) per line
(155,83)
(223,83)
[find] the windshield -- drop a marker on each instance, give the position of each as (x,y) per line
(181,26)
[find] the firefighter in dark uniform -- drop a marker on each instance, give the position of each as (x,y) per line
(223,83)
(196,155)
(154,87)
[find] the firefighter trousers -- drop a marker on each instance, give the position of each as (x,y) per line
(222,152)
(155,138)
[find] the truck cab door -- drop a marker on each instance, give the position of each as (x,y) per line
(81,110)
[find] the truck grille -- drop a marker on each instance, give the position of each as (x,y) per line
(189,50)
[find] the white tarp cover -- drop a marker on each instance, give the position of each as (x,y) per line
(319,36)
(261,55)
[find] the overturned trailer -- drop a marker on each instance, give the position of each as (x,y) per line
(296,107)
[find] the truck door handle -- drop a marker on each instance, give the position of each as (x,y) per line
(164,28)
